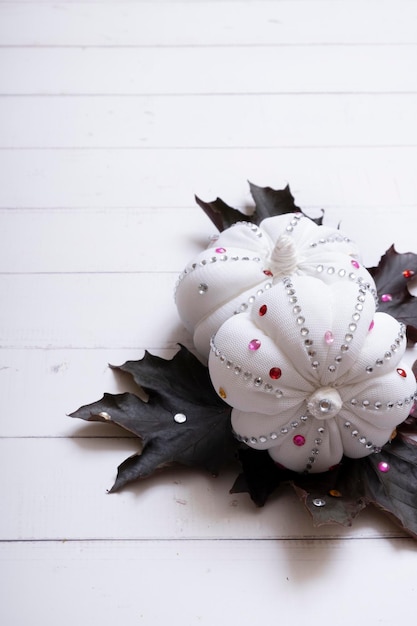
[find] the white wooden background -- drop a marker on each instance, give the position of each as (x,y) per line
(112,116)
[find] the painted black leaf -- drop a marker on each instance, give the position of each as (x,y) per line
(392,276)
(184,420)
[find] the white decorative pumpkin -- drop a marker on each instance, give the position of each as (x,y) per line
(247,260)
(311,370)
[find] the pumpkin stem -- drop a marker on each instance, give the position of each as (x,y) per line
(284,257)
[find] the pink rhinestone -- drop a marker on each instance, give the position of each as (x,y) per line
(384,467)
(371,325)
(220,250)
(328,337)
(299,440)
(254,344)
(355,264)
(386,297)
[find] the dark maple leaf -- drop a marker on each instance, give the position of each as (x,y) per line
(391,277)
(268,203)
(184,421)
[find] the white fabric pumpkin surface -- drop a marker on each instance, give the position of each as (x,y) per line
(312,371)
(247,260)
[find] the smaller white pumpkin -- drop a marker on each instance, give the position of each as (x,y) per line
(313,373)
(247,260)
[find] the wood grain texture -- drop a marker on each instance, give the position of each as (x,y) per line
(113,115)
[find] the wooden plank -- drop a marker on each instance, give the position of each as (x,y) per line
(205,23)
(57,382)
(327,177)
(220,70)
(184,582)
(209,121)
(178,503)
(89,311)
(132,240)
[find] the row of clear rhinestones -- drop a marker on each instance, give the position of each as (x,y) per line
(246,375)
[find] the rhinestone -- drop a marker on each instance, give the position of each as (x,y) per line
(268,387)
(355,433)
(369,369)
(202,288)
(356,317)
(262,310)
(259,292)
(361,298)
(293,299)
(253,440)
(229,364)
(365,403)
(315,364)
(247,376)
(308,342)
(268,273)
(354,402)
(273,436)
(332,368)
(348,337)
(400,403)
(401,372)
(222,358)
(386,297)
(408,273)
(378,404)
(304,418)
(279,393)
(344,348)
(352,276)
(383,467)
(254,344)
(296,309)
(299,440)
(328,337)
(318,441)
(355,264)
(390,405)
(220,250)
(379,362)
(304,331)
(335,493)
(106,416)
(319,268)
(338,358)
(258,382)
(362,440)
(251,300)
(342,272)
(243,307)
(180,418)
(284,430)
(359,307)
(388,355)
(320,430)
(330,270)
(352,327)
(347,424)
(262,439)
(275,373)
(311,459)
(294,424)
(237,370)
(314,451)
(222,393)
(369,445)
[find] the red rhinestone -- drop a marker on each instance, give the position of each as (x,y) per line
(263,310)
(268,273)
(408,273)
(402,372)
(275,373)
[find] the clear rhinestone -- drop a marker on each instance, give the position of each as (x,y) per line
(319,502)
(202,288)
(180,418)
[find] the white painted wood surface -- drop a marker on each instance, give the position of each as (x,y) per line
(112,116)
